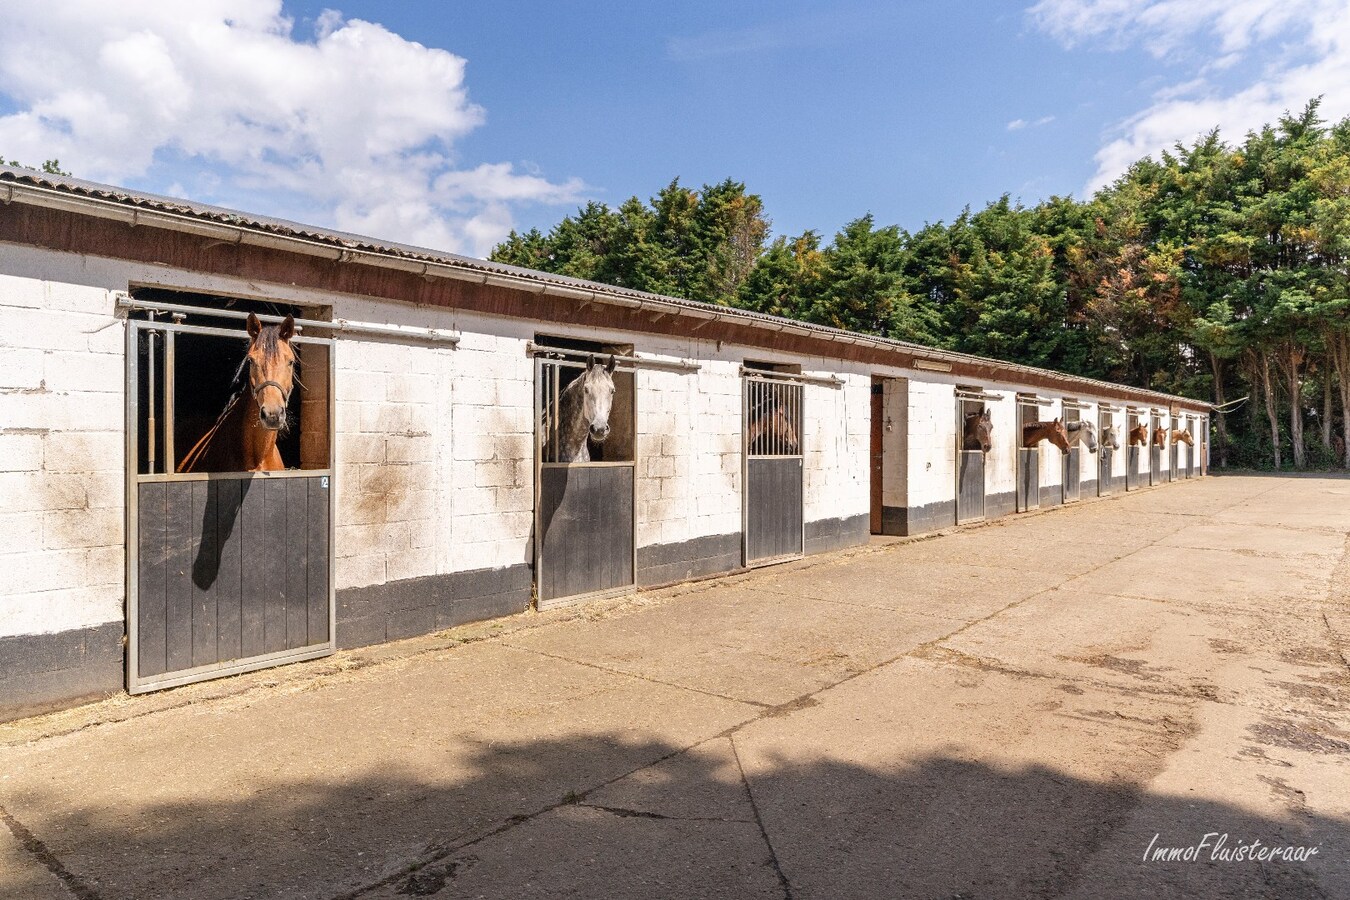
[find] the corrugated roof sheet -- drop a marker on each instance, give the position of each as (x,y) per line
(284,228)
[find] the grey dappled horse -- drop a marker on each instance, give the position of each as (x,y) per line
(1084,433)
(583,412)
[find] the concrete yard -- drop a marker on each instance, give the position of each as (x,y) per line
(1011,710)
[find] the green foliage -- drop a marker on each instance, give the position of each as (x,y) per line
(1216,270)
(50,166)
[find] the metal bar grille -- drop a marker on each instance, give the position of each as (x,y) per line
(774,418)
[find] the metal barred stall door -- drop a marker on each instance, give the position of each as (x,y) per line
(773,509)
(1194,446)
(1106,422)
(1173,450)
(1028,458)
(228,571)
(585,490)
(1073,460)
(1154,451)
(971,481)
(1133,453)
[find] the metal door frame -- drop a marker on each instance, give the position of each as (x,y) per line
(1075,453)
(800,381)
(560,358)
(983,398)
(1134,417)
(168,330)
(1154,472)
(1106,419)
(1024,402)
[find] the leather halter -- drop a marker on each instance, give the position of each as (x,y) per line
(285,394)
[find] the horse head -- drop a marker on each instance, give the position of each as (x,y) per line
(1086,434)
(271,370)
(1139,435)
(597,397)
(1159,437)
(1058,435)
(1111,436)
(979,432)
(1184,436)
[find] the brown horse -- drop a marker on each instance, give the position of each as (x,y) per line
(1054,432)
(978,432)
(1160,437)
(244,438)
(772,431)
(1181,435)
(1138,435)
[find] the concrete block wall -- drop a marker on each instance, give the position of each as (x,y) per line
(435,480)
(62,484)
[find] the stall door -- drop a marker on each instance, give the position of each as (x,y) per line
(970,475)
(584,501)
(1073,460)
(1105,455)
(1028,461)
(1155,473)
(773,507)
(231,570)
(1133,456)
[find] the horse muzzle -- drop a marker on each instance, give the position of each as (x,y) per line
(599,432)
(272,419)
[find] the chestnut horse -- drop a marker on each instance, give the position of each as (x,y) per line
(1160,437)
(1054,432)
(978,432)
(1139,435)
(244,438)
(1181,435)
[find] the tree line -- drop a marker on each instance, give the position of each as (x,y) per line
(1216,271)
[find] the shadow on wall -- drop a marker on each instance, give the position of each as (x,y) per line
(525,820)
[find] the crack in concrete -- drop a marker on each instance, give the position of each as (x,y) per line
(783,881)
(625,813)
(39,851)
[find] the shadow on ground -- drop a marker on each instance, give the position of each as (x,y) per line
(702,822)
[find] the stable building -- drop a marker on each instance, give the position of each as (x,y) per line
(424,481)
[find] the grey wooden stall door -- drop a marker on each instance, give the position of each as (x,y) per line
(1104,457)
(1132,467)
(1154,464)
(1028,478)
(774,499)
(584,508)
(230,569)
(774,510)
(1073,474)
(970,486)
(585,530)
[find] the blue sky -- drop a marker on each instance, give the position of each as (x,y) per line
(511,114)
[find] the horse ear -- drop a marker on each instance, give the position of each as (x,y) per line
(590,361)
(609,367)
(254,326)
(287,328)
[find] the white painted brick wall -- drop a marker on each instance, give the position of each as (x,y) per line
(62,451)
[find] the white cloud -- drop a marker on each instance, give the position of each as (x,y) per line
(1304,44)
(352,127)
(1019,124)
